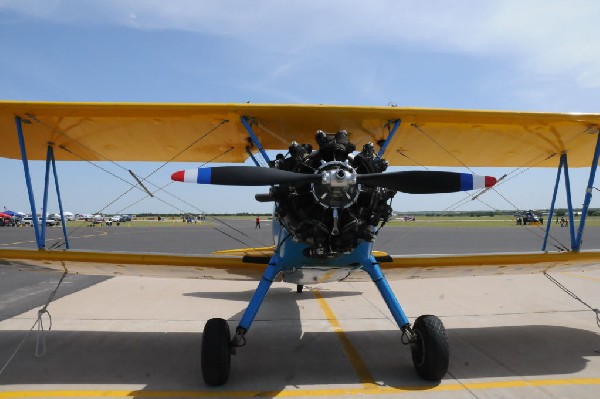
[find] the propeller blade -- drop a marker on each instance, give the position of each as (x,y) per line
(243,176)
(427,182)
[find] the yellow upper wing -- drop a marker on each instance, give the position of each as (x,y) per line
(160,132)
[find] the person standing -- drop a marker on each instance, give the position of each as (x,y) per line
(257,223)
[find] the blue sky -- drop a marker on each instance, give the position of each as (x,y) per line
(508,55)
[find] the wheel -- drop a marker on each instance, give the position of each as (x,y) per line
(216,352)
(299,288)
(430,352)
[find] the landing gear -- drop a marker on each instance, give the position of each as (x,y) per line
(427,338)
(299,288)
(216,352)
(429,348)
(217,346)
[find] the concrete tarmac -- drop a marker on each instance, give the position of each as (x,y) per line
(510,336)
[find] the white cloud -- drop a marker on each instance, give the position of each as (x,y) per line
(543,37)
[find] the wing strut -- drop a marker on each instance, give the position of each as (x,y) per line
(252,156)
(588,191)
(389,137)
(247,121)
(40,235)
(575,238)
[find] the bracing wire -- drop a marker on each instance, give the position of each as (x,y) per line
(159,189)
(477,196)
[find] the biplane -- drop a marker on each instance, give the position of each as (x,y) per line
(329,187)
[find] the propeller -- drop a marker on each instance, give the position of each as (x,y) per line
(243,176)
(426,182)
(411,182)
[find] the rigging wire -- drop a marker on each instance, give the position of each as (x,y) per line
(574,296)
(557,244)
(502,180)
(266,129)
(40,347)
(162,188)
(441,146)
(412,160)
(100,155)
(61,242)
(224,121)
(214,128)
(198,209)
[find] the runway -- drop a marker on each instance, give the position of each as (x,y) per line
(510,336)
(220,234)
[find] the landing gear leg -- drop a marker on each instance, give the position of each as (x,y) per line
(429,344)
(217,347)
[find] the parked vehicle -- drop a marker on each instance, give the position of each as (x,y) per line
(55,217)
(28,221)
(7,220)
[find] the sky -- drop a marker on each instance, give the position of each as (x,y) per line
(502,55)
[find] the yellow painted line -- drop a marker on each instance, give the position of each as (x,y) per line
(327,276)
(17,243)
(363,373)
(246,251)
(375,390)
(103,233)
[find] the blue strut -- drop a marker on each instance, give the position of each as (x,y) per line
(34,219)
(389,138)
(374,271)
(269,275)
(246,122)
(551,213)
(588,194)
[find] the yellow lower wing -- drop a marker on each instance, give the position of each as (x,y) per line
(228,267)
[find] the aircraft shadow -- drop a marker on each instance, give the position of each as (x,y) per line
(275,293)
(280,353)
(276,357)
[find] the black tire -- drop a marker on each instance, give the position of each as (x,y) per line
(299,288)
(430,351)
(216,352)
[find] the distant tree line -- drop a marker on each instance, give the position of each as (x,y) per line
(178,215)
(557,212)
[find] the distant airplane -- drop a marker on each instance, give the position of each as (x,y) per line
(528,217)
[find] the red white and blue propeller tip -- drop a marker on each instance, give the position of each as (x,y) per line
(192,176)
(475,182)
(411,182)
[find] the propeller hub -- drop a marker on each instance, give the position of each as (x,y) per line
(338,187)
